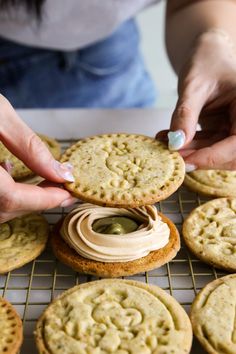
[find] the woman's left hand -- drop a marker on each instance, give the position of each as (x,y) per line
(207,95)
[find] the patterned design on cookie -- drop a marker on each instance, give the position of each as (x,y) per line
(215,183)
(11,332)
(123,170)
(213,316)
(22,240)
(114,316)
(210,233)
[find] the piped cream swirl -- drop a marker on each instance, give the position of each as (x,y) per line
(78,233)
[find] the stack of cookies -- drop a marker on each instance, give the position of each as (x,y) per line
(117,232)
(122,234)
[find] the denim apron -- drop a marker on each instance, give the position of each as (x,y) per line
(108,74)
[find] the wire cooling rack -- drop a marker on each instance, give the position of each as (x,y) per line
(32,287)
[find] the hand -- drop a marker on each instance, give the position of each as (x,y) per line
(16,198)
(207,95)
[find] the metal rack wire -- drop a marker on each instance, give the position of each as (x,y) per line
(32,287)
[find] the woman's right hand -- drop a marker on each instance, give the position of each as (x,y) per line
(17,198)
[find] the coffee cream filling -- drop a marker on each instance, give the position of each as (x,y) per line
(152,233)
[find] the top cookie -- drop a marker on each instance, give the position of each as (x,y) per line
(123,170)
(215,183)
(19,169)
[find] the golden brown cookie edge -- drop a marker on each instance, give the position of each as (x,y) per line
(18,329)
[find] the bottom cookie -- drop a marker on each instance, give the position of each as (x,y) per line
(213,316)
(114,316)
(11,331)
(153,260)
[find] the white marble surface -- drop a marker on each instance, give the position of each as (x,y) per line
(78,123)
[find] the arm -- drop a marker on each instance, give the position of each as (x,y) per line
(201,43)
(186,20)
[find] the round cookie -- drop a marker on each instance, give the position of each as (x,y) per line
(10,328)
(153,260)
(215,183)
(210,233)
(19,169)
(213,316)
(22,240)
(123,170)
(114,316)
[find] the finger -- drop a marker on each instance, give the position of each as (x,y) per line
(204,139)
(28,147)
(215,156)
(162,135)
(186,114)
(16,197)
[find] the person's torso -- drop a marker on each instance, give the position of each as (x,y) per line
(70,24)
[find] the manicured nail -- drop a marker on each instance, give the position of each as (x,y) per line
(68,202)
(7,165)
(64,170)
(189,167)
(176,139)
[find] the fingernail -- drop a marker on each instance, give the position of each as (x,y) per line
(68,202)
(7,165)
(176,139)
(64,170)
(189,167)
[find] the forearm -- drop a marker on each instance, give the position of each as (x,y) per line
(186,20)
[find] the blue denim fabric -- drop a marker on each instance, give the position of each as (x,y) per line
(108,74)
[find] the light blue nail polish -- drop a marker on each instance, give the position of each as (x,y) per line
(189,167)
(176,139)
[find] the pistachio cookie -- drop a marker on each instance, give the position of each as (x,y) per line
(10,328)
(19,170)
(22,240)
(213,183)
(213,316)
(114,242)
(210,233)
(123,170)
(114,316)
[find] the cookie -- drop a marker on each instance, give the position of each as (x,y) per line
(213,183)
(113,268)
(22,240)
(10,328)
(213,316)
(19,170)
(123,170)
(114,316)
(210,233)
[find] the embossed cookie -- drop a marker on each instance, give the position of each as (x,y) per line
(114,316)
(22,240)
(76,243)
(19,169)
(213,316)
(215,183)
(10,328)
(123,170)
(210,233)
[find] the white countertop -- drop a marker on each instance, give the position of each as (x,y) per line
(78,123)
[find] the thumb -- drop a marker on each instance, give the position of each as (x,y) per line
(185,116)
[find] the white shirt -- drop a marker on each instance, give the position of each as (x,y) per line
(68,24)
